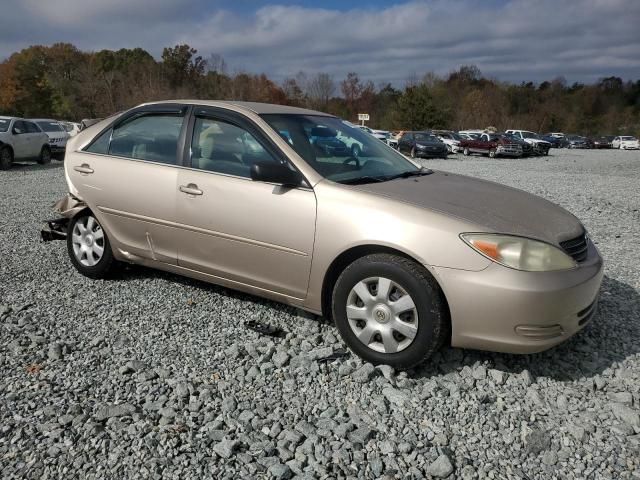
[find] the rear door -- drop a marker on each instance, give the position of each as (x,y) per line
(253,233)
(128,176)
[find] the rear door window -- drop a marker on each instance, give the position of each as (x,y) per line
(151,137)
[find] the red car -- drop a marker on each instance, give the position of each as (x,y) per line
(491,144)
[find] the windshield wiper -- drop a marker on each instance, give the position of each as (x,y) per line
(386,178)
(411,173)
(361,180)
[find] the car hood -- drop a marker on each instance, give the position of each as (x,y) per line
(499,208)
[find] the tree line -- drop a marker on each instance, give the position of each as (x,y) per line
(63,82)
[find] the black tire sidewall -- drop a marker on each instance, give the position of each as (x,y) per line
(42,160)
(3,164)
(104,265)
(426,298)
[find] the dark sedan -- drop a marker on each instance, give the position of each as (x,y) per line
(422,145)
(576,141)
(603,142)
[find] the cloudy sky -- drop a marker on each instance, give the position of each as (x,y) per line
(512,40)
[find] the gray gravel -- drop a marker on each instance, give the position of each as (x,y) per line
(151,375)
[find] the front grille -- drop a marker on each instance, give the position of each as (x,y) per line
(576,248)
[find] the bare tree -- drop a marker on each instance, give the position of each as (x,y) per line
(320,88)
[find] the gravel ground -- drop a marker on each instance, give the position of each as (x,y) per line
(151,375)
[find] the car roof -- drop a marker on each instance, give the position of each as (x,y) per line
(43,120)
(2,117)
(255,107)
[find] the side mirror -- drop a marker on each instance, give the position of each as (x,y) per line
(16,131)
(272,172)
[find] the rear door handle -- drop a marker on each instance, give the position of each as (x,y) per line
(190,189)
(84,168)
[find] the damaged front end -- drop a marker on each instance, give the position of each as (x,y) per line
(67,207)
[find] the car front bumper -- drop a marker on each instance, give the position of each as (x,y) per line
(432,153)
(506,310)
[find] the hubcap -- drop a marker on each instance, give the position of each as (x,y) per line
(87,239)
(382,315)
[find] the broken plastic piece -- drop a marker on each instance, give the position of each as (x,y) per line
(264,329)
(340,353)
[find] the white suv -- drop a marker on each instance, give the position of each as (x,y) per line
(22,140)
(540,146)
(625,143)
(58,136)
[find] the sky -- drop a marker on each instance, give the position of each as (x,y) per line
(383,41)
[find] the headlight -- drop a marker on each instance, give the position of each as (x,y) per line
(518,252)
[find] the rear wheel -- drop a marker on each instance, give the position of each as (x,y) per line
(389,310)
(6,158)
(413,152)
(89,247)
(45,155)
(492,153)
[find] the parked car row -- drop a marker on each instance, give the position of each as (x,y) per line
(37,139)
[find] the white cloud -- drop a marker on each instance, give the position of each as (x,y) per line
(513,40)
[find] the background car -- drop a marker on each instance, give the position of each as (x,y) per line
(540,146)
(58,136)
(527,148)
(22,139)
(556,142)
(72,128)
(602,142)
(577,141)
(422,145)
(625,142)
(493,145)
(450,139)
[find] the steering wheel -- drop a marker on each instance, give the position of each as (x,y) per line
(355,160)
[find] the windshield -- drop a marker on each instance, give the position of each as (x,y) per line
(49,126)
(337,150)
(627,138)
(425,137)
(4,124)
(529,135)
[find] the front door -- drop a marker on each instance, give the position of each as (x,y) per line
(21,146)
(249,232)
(128,177)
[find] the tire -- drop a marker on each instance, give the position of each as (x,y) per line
(492,153)
(45,155)
(82,250)
(355,151)
(6,158)
(423,318)
(413,152)
(466,152)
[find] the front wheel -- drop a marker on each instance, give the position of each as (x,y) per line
(88,247)
(45,155)
(492,153)
(389,310)
(413,152)
(466,152)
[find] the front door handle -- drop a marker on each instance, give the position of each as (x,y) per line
(190,189)
(84,168)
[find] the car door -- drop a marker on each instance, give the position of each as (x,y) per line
(20,137)
(248,232)
(35,138)
(407,142)
(128,176)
